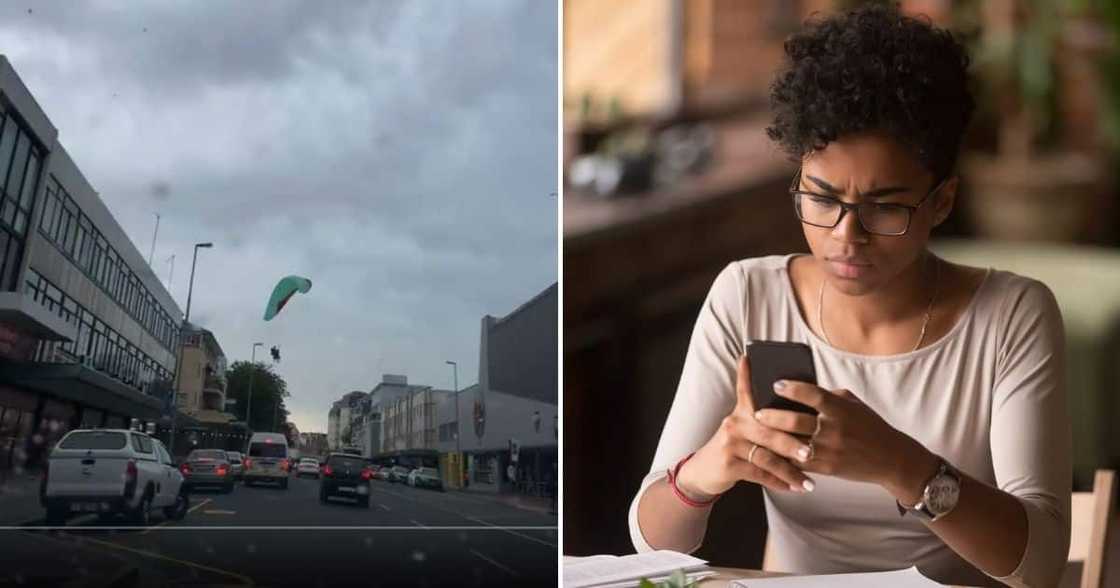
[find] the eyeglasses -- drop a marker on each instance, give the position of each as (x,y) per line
(891,220)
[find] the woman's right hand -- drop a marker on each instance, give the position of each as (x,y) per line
(723,460)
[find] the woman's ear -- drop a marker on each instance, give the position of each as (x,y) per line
(944,200)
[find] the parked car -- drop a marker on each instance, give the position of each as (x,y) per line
(381,473)
(268,460)
(111,472)
(398,474)
(307,467)
(208,467)
(237,467)
(345,475)
(425,478)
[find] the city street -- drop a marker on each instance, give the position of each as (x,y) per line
(265,536)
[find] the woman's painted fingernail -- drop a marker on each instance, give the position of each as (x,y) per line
(803,454)
(796,488)
(809,485)
(779,384)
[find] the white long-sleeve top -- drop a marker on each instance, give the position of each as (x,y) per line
(989,397)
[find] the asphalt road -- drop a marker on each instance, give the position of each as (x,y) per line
(264,536)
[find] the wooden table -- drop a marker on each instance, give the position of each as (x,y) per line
(726,575)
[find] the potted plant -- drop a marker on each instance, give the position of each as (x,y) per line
(1033,186)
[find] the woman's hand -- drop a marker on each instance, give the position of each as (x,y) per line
(727,458)
(852,442)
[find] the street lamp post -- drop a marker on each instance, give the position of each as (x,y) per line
(252,372)
(179,351)
(458,427)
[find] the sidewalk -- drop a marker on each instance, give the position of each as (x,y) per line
(535,504)
(19,498)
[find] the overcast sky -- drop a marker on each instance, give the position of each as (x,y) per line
(399,154)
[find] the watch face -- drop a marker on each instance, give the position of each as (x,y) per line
(942,493)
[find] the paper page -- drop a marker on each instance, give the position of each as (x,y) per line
(574,559)
(909,578)
(694,576)
(596,571)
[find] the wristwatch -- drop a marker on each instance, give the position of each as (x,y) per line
(940,495)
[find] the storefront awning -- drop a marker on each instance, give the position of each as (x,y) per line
(81,384)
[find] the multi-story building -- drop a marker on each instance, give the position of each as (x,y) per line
(332,426)
(202,377)
(342,427)
(411,420)
(88,332)
(514,403)
(313,444)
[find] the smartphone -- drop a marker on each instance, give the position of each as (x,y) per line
(771,361)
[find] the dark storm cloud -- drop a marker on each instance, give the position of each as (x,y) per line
(399,153)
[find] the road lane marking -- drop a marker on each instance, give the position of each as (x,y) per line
(383,506)
(243,579)
(417,523)
(496,564)
(219,512)
(168,522)
(204,502)
(511,532)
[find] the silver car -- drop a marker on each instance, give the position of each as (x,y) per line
(208,467)
(236,465)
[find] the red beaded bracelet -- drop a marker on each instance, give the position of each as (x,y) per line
(676,490)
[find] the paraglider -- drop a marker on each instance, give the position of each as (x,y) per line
(283,292)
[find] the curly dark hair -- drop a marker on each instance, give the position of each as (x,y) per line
(873,68)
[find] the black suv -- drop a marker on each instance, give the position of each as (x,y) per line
(345,475)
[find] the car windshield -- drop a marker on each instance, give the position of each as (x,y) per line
(267,450)
(93,440)
(207,454)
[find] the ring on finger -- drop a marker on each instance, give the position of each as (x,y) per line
(750,454)
(812,451)
(817,431)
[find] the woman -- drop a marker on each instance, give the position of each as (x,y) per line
(943,438)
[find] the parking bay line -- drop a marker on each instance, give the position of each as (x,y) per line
(496,564)
(383,506)
(189,510)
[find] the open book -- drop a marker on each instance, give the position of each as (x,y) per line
(612,571)
(908,578)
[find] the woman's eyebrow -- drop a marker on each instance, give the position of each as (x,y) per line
(876,193)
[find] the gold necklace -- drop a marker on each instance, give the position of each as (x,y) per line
(925,322)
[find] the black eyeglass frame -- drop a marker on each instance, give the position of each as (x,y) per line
(845,207)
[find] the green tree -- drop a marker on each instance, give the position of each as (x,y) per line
(269,392)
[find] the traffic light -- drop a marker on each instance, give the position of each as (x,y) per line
(275,354)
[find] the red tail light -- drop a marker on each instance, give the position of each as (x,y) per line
(327,471)
(223,470)
(285,465)
(367,474)
(248,463)
(185,468)
(130,475)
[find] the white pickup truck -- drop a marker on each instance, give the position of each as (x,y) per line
(111,472)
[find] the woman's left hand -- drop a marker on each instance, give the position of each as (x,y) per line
(853,442)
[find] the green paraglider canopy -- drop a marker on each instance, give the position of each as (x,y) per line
(283,292)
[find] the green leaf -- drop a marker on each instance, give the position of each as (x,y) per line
(646,584)
(678,579)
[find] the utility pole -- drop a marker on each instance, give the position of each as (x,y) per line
(154,235)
